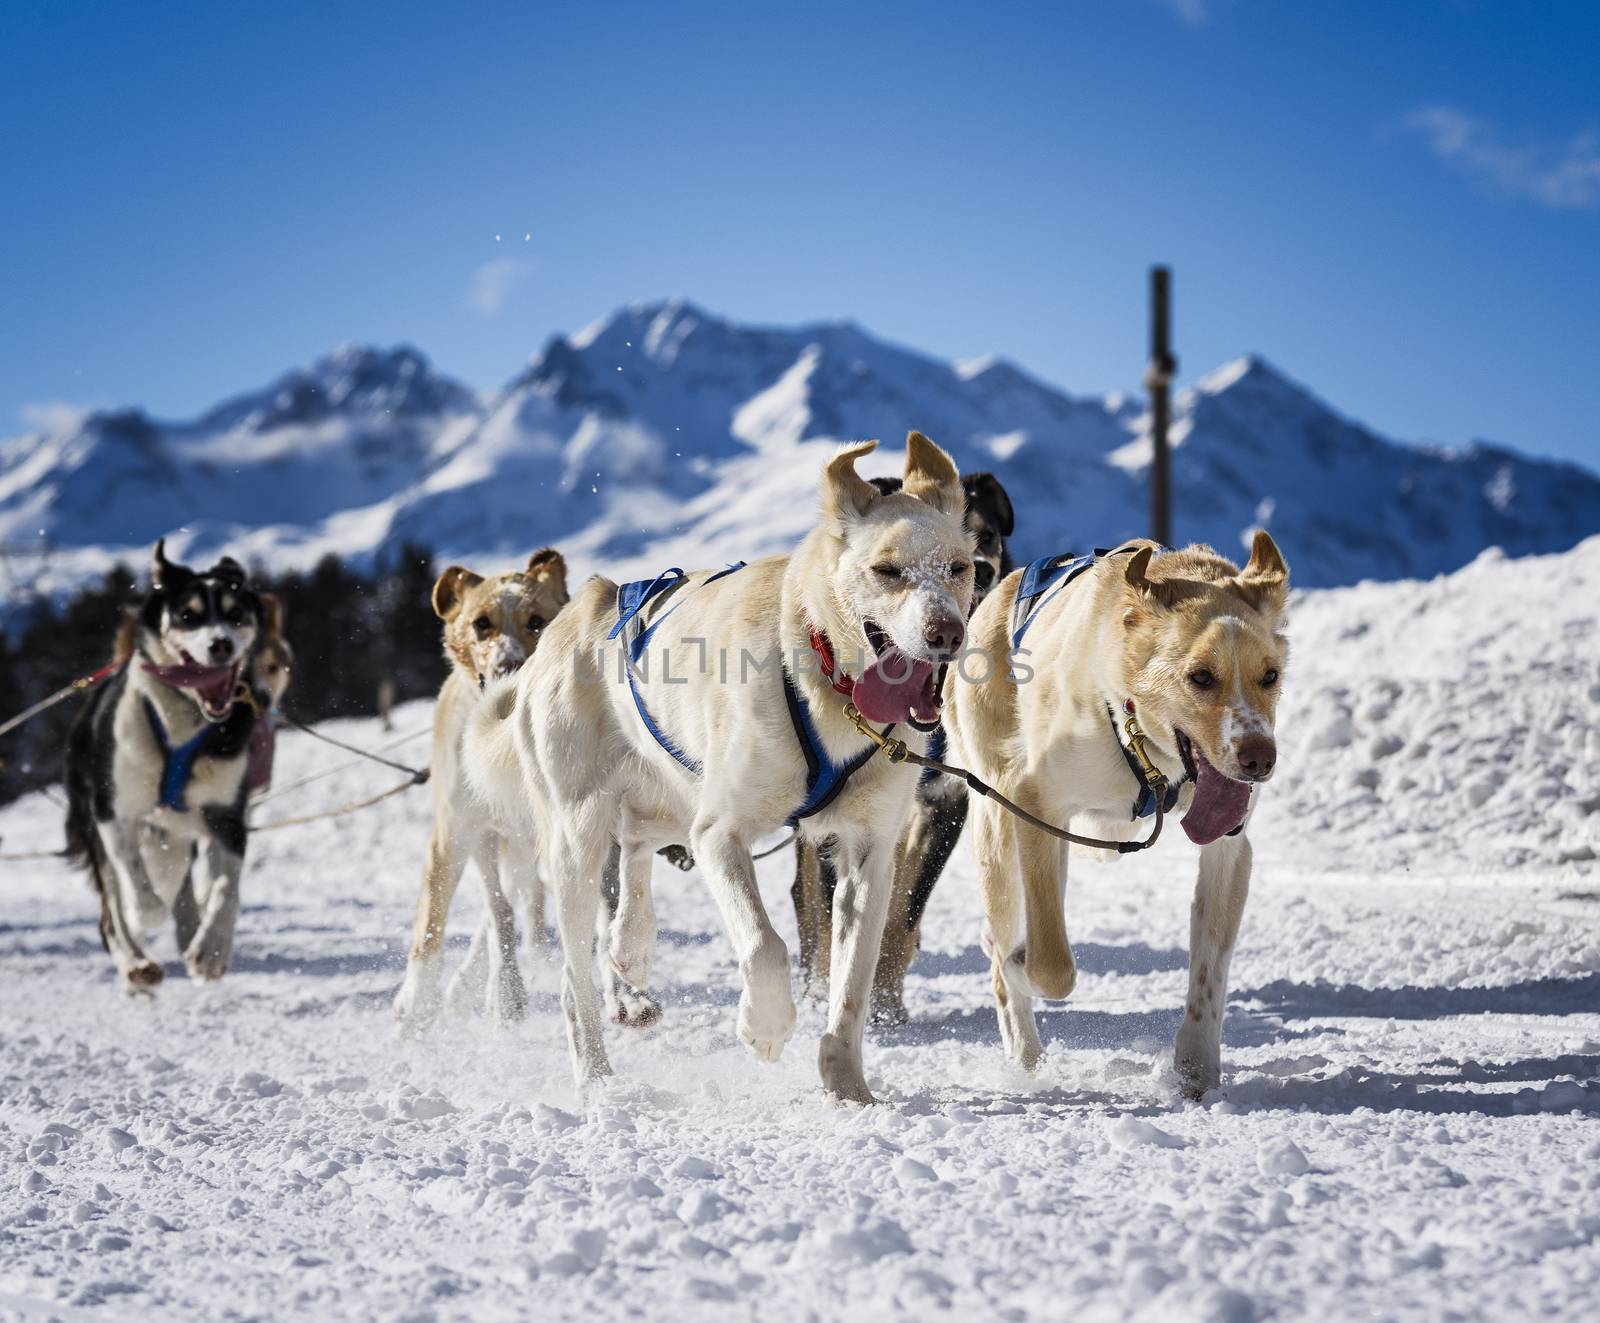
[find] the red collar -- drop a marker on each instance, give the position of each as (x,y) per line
(842,683)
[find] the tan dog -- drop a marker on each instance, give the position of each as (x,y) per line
(491,626)
(1190,645)
(705,740)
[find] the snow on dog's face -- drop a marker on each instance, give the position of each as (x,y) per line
(904,579)
(491,626)
(197,629)
(1205,655)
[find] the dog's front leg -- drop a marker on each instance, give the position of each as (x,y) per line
(766,1007)
(628,929)
(120,872)
(221,853)
(860,904)
(1219,898)
(1005,932)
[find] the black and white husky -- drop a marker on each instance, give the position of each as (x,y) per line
(157,771)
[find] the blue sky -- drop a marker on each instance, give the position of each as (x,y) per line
(1399,203)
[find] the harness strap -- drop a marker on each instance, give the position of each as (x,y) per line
(177,762)
(825,779)
(1043,579)
(632,598)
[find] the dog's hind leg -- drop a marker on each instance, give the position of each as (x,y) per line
(860,903)
(519,869)
(577,865)
(813,921)
(766,1007)
(930,836)
(1004,933)
(1219,898)
(628,928)
(120,937)
(490,981)
(417,1002)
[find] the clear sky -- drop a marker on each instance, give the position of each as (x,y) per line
(1398,202)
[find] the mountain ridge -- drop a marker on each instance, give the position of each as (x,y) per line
(664,430)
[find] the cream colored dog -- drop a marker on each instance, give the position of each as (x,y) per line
(491,626)
(726,673)
(1190,645)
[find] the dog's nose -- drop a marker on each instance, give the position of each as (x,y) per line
(1258,755)
(945,635)
(221,649)
(504,667)
(983,575)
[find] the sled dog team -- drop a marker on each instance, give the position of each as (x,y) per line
(698,713)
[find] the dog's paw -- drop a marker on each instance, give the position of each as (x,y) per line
(841,1073)
(631,1007)
(206,966)
(764,1029)
(889,1012)
(143,977)
(418,1004)
(507,999)
(1197,1076)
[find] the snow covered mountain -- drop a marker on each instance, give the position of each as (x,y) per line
(663,434)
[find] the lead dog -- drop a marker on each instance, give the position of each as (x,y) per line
(491,626)
(937,815)
(1190,647)
(729,723)
(157,771)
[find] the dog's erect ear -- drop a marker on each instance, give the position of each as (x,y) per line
(985,491)
(1150,590)
(272,614)
(846,495)
(161,569)
(549,566)
(227,568)
(1266,561)
(1265,577)
(454,584)
(932,476)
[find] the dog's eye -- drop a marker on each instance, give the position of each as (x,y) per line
(536,623)
(888,573)
(959,567)
(188,616)
(1270,678)
(272,670)
(484,626)
(1202,678)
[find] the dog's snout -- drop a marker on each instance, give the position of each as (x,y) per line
(945,635)
(1258,755)
(983,575)
(221,649)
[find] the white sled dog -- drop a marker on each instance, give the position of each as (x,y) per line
(1190,648)
(729,722)
(491,626)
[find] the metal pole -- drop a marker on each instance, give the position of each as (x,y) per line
(1158,381)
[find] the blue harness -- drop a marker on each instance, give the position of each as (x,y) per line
(825,778)
(177,763)
(1041,581)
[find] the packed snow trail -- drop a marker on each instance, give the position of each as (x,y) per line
(1409,1125)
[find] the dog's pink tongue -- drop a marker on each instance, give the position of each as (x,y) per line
(892,686)
(212,685)
(1218,806)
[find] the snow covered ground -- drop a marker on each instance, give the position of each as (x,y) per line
(1409,1127)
